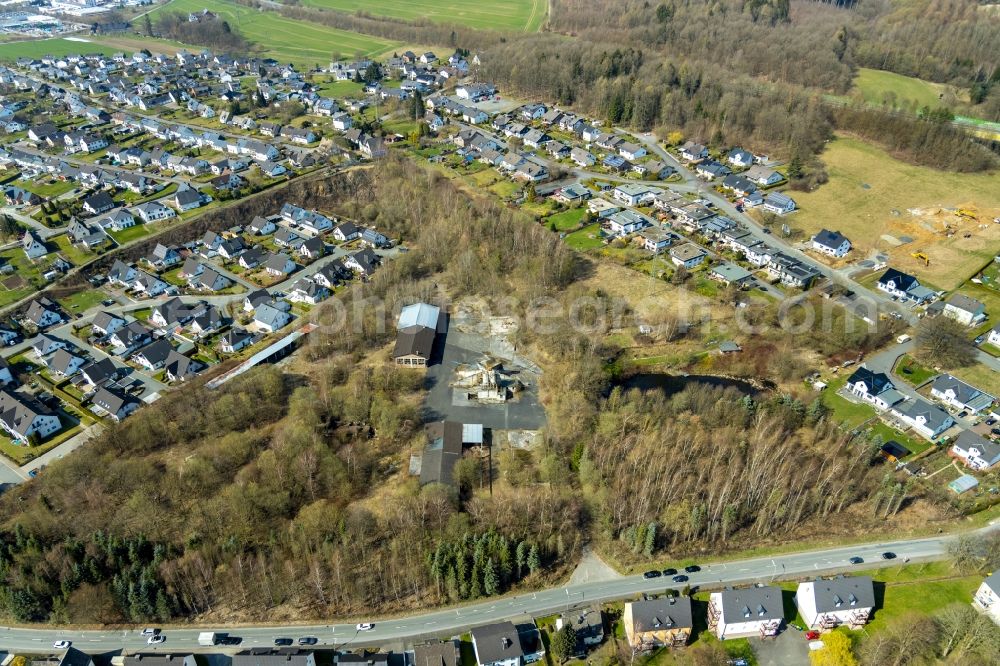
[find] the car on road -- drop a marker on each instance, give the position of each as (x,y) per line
(62,645)
(679,578)
(365,626)
(282,642)
(150,631)
(33,473)
(308,640)
(888,555)
(652,574)
(669,572)
(856,560)
(692,568)
(962,415)
(107,302)
(156,640)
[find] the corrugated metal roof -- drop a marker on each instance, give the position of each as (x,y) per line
(419,314)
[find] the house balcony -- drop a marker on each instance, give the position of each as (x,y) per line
(713,616)
(828,622)
(770,629)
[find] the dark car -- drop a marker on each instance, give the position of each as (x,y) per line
(995,431)
(281,642)
(888,555)
(856,560)
(692,568)
(651,574)
(679,578)
(669,572)
(308,640)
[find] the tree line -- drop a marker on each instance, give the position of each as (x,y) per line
(215,33)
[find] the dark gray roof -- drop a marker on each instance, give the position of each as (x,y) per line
(157,352)
(414,341)
(963,302)
(963,392)
(876,382)
(99,371)
(830,239)
(753,603)
(934,417)
(843,592)
(664,613)
(444,449)
(496,642)
(111,400)
(272,657)
(444,653)
(154,659)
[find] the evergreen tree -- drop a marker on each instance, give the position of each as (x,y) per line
(491,583)
(534,559)
(564,643)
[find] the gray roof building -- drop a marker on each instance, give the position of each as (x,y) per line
(496,643)
(663,613)
(752,604)
(844,592)
(444,653)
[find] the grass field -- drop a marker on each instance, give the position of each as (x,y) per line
(511,15)
(566,220)
(878,87)
(286,40)
(59,47)
(586,238)
(870,195)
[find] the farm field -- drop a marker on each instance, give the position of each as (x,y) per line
(513,15)
(878,201)
(37,48)
(878,87)
(286,40)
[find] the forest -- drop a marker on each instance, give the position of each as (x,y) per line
(284,494)
(216,33)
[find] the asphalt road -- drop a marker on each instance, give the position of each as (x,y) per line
(450,621)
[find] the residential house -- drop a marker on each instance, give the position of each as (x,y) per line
(261,226)
(235,340)
(926,420)
(279,265)
(634,194)
(831,243)
(363,261)
(253,257)
(987,597)
(442,653)
(626,222)
(582,158)
(97,373)
(756,612)
(6,377)
(903,286)
(631,151)
(152,211)
(99,202)
(503,644)
(149,285)
(130,337)
(105,323)
(33,246)
(874,387)
(186,199)
(269,319)
(977,452)
(740,158)
(163,256)
(346,231)
(763,176)
(46,344)
(307,291)
(693,152)
(266,656)
(710,170)
(210,280)
(331,274)
(192,268)
(572,193)
(656,623)
(43,313)
(373,238)
(956,393)
(964,310)
(117,220)
(25,418)
(153,356)
(179,368)
(255,298)
(119,405)
(687,255)
(231,248)
(728,273)
(829,603)
(778,203)
(64,364)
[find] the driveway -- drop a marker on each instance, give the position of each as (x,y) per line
(790,648)
(524,412)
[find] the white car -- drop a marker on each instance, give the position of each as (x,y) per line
(61,645)
(366,626)
(150,631)
(156,640)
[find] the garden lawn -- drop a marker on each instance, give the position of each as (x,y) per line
(74,254)
(566,220)
(299,42)
(510,15)
(918,373)
(586,238)
(130,234)
(46,189)
(82,301)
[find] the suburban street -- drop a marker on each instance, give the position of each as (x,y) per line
(449,621)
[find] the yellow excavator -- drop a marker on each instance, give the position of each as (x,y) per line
(922,256)
(967,214)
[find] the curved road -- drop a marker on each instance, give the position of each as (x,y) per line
(450,621)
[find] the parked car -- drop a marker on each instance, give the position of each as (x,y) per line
(652,574)
(812,635)
(282,642)
(308,640)
(365,626)
(962,415)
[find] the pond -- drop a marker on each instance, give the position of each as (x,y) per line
(671,384)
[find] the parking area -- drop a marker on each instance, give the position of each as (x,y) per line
(788,649)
